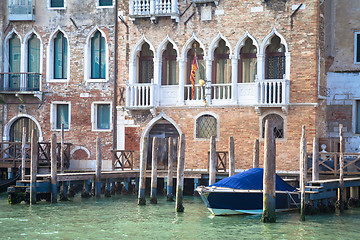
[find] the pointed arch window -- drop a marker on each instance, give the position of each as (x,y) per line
(200,73)
(247,65)
(98,56)
(14,54)
(170,66)
(221,72)
(33,54)
(146,64)
(275,59)
(14,63)
(60,56)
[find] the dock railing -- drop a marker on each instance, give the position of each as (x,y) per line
(122,159)
(10,153)
(329,163)
(221,160)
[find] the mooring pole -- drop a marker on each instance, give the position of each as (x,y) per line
(171,160)
(155,151)
(142,180)
(256,154)
(180,175)
(23,154)
(53,169)
(62,149)
(98,169)
(212,165)
(303,170)
(315,160)
(231,157)
(33,168)
(269,194)
(341,177)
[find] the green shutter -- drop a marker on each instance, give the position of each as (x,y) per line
(60,56)
(358,47)
(34,54)
(105,3)
(357,117)
(98,63)
(62,116)
(56,3)
(103,116)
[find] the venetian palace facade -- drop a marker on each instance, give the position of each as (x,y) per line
(124,75)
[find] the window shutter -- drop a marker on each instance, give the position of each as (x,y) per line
(56,3)
(103,116)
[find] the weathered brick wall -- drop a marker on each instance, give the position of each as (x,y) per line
(85,17)
(301,32)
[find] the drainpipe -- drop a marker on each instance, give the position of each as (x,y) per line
(114,147)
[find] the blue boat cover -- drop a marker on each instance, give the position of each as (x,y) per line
(251,179)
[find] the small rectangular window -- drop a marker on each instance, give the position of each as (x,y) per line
(62,116)
(103,116)
(357,47)
(56,3)
(105,3)
(357,117)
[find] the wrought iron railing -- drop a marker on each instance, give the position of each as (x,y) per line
(19,82)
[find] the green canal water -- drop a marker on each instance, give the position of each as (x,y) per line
(119,217)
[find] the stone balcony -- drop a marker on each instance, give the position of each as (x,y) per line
(269,93)
(153,9)
(21,10)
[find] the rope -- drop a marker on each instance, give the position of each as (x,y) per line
(293,200)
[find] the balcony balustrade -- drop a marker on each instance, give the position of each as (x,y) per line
(21,10)
(261,93)
(19,82)
(153,9)
(140,95)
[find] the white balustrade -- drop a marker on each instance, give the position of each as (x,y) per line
(140,95)
(199,93)
(153,7)
(273,92)
(221,91)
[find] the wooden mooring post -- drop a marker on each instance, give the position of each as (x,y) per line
(171,160)
(256,154)
(23,154)
(231,157)
(303,168)
(315,160)
(142,179)
(180,175)
(33,168)
(212,164)
(53,169)
(341,177)
(154,160)
(98,169)
(269,194)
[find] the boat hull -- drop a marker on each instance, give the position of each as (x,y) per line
(230,203)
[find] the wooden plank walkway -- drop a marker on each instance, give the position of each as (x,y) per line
(75,176)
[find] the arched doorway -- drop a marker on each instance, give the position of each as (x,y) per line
(163,129)
(16,129)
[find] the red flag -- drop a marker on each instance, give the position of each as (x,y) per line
(194,67)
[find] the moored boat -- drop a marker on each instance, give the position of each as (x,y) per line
(242,194)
